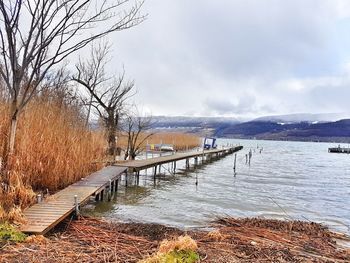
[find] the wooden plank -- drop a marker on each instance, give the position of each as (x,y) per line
(143,164)
(44,216)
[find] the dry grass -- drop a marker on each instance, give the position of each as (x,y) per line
(181,243)
(216,235)
(181,141)
(246,240)
(182,249)
(53,150)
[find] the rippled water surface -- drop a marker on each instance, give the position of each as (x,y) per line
(293,180)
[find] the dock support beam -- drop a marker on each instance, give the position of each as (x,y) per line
(137,177)
(102,193)
(109,194)
(76,205)
(154,174)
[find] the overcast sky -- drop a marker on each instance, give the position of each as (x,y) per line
(242,58)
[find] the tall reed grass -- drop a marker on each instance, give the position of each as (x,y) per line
(181,141)
(53,150)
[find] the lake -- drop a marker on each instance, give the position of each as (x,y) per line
(287,180)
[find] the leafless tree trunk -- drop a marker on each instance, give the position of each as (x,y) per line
(136,128)
(108,94)
(88,111)
(37,35)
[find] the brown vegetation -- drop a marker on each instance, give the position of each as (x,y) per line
(181,141)
(53,150)
(44,144)
(234,240)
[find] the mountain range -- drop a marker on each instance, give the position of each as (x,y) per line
(299,127)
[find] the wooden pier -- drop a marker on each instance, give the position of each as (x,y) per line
(45,215)
(138,165)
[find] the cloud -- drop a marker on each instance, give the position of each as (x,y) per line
(238,57)
(225,107)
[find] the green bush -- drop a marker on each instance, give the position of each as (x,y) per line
(9,233)
(174,256)
(181,256)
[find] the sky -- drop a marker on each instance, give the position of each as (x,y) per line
(239,58)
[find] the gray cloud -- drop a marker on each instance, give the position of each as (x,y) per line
(246,105)
(247,56)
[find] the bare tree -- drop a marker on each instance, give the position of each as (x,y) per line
(136,128)
(36,35)
(106,95)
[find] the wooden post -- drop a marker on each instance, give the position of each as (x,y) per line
(102,195)
(250,156)
(174,167)
(154,175)
(39,198)
(109,197)
(112,185)
(234,165)
(76,205)
(97,197)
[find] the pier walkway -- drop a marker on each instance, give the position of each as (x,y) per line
(46,214)
(138,165)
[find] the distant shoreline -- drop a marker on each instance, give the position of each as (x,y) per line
(337,140)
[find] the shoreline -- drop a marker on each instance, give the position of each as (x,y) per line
(233,240)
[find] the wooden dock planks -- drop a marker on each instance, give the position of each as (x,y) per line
(45,215)
(138,165)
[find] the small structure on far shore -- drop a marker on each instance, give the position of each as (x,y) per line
(339,149)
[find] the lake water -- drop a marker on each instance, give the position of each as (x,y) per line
(287,180)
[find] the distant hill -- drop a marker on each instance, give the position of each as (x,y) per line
(338,131)
(300,127)
(200,125)
(305,117)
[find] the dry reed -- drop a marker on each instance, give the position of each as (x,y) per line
(181,243)
(181,141)
(53,150)
(246,240)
